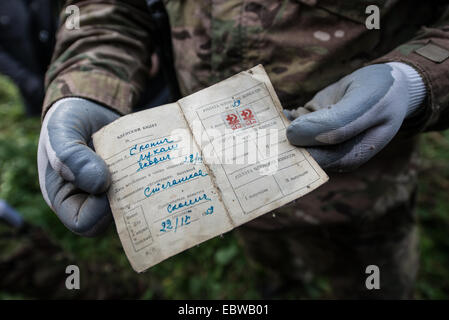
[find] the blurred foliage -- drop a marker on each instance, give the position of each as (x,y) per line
(217,269)
(433,214)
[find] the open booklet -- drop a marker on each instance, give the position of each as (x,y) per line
(185,172)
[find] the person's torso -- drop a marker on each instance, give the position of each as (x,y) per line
(304,45)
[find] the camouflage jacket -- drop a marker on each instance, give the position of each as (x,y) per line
(304,45)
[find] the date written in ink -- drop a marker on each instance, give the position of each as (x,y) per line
(172,224)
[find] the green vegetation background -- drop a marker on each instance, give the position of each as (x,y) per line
(33,261)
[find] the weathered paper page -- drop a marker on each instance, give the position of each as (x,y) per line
(162,197)
(185,172)
(241,130)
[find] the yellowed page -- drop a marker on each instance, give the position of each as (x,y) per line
(183,173)
(241,130)
(162,197)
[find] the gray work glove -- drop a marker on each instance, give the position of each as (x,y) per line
(72,177)
(350,121)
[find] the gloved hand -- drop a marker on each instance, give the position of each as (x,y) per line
(72,177)
(347,123)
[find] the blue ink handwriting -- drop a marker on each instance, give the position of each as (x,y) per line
(193,158)
(157,151)
(134,150)
(173,224)
(171,183)
(209,211)
(190,202)
(152,162)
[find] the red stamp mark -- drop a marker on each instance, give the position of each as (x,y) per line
(248,116)
(233,121)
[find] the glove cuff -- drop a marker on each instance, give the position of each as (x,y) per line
(415,84)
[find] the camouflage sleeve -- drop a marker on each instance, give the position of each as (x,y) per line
(106,59)
(428,53)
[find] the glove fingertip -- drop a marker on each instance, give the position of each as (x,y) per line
(298,133)
(94,216)
(83,214)
(94,176)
